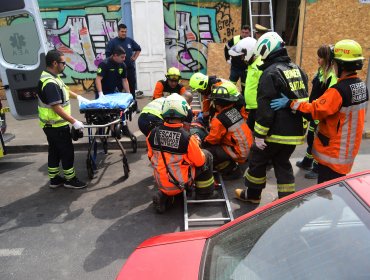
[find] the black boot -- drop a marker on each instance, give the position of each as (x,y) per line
(314,173)
(305,164)
(159,202)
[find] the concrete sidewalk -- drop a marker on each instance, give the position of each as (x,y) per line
(29,137)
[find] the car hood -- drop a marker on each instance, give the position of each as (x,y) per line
(168,256)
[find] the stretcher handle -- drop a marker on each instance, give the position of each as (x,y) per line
(101,125)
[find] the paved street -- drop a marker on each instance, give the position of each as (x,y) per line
(89,234)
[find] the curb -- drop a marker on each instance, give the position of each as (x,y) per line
(36,148)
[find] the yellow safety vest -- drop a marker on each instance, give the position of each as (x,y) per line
(155,107)
(47,116)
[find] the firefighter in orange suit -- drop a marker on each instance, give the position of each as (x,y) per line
(204,85)
(341,112)
(176,156)
(164,88)
(229,139)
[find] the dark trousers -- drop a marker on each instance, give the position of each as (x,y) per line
(218,153)
(279,154)
(236,74)
(204,180)
(310,136)
(147,122)
(327,174)
(60,147)
(131,78)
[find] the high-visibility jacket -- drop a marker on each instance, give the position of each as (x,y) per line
(181,151)
(47,115)
(155,107)
(229,129)
(251,84)
(341,112)
(163,89)
(320,83)
(280,75)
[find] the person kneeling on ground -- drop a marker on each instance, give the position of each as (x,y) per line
(164,88)
(230,138)
(176,156)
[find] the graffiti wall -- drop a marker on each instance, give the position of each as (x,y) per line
(189,29)
(81,34)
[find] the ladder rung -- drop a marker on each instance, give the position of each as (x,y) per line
(206,200)
(209,219)
(259,1)
(261,15)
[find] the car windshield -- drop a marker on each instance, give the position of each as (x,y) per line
(323,235)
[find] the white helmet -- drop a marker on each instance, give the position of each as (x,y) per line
(175,106)
(244,47)
(268,43)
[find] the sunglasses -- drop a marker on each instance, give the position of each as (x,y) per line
(62,62)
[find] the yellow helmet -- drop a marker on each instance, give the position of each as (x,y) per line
(198,81)
(173,74)
(227,91)
(348,51)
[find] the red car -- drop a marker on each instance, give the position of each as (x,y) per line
(322,232)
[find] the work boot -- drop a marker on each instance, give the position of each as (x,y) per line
(56,182)
(314,173)
(284,194)
(159,202)
(74,183)
(242,195)
(305,164)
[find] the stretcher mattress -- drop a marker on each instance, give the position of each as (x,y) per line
(109,101)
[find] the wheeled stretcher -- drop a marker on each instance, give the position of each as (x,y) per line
(107,117)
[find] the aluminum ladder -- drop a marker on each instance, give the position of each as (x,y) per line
(255,14)
(209,221)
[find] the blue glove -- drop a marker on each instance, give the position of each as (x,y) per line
(280,103)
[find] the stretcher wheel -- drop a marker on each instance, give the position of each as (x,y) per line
(105,147)
(117,131)
(126,169)
(134,143)
(89,167)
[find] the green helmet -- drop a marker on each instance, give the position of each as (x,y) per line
(227,91)
(173,74)
(198,81)
(175,106)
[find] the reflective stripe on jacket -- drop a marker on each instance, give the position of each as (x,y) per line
(47,115)
(229,129)
(341,112)
(155,107)
(182,154)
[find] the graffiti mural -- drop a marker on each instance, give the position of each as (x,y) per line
(225,24)
(81,34)
(188,30)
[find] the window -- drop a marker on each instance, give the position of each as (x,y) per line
(324,235)
(19,40)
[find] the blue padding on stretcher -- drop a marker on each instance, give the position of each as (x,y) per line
(110,101)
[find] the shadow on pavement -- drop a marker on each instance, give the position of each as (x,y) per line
(45,206)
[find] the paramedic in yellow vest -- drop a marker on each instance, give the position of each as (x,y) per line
(238,67)
(55,116)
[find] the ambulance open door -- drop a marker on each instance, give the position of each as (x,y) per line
(23,47)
